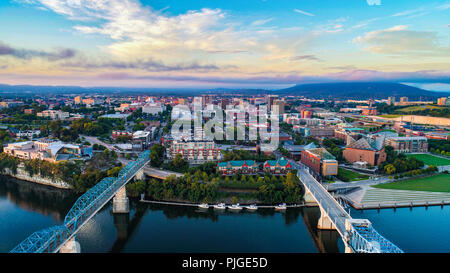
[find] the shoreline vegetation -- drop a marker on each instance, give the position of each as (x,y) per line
(199,184)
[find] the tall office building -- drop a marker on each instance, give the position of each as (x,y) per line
(270,101)
(281,105)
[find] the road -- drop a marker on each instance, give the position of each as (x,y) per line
(95,140)
(162,174)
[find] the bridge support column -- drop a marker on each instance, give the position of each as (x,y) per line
(140,175)
(324,221)
(120,201)
(309,199)
(348,249)
(71,246)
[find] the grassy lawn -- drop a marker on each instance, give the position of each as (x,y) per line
(436,183)
(417,108)
(390,116)
(350,176)
(431,160)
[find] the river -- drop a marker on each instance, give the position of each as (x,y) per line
(26,208)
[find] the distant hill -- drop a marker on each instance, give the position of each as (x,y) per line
(356,90)
(360,90)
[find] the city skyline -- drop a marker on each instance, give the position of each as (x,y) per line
(256,44)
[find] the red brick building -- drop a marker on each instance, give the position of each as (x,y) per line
(321,161)
(366,150)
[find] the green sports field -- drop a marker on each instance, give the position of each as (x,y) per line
(431,160)
(435,183)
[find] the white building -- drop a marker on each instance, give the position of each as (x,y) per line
(54,114)
(153,108)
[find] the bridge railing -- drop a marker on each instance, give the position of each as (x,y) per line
(51,239)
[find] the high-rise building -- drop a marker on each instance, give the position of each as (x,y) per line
(270,101)
(281,105)
(443,101)
(77,100)
(391,101)
(306,113)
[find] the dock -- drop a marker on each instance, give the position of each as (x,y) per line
(196,205)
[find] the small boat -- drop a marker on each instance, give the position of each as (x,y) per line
(281,207)
(203,206)
(251,207)
(220,206)
(235,207)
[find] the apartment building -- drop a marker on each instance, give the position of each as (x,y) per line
(194,151)
(408,144)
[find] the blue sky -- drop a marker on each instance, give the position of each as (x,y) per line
(223,43)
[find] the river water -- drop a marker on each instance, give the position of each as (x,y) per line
(27,207)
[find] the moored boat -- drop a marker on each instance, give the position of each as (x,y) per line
(235,207)
(203,206)
(252,207)
(220,206)
(281,207)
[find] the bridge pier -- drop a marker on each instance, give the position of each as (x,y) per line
(309,198)
(325,221)
(348,249)
(140,175)
(120,201)
(72,246)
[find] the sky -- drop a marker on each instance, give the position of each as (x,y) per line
(224,43)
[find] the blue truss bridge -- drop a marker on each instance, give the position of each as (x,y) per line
(61,238)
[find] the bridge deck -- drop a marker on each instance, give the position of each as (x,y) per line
(335,212)
(363,238)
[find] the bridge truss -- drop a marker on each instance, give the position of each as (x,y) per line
(52,239)
(363,238)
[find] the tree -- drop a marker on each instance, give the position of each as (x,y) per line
(155,159)
(234,199)
(389,169)
(179,164)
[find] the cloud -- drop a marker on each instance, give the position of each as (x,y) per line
(303,12)
(261,22)
(344,67)
(399,40)
(55,55)
(306,57)
(147,65)
(286,79)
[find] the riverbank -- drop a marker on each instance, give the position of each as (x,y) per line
(22,174)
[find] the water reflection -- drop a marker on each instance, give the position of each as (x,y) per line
(161,228)
(33,197)
(326,241)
